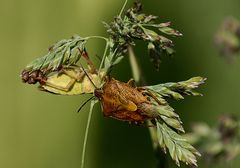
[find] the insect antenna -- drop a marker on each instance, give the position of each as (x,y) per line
(80,108)
(88,76)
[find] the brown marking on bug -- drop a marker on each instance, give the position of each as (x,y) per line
(124,102)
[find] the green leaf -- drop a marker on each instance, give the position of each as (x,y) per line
(63,52)
(124,31)
(177,146)
(118,60)
(170,31)
(179,89)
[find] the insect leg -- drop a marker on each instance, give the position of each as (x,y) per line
(132,83)
(149,93)
(51,82)
(78,75)
(85,72)
(89,62)
(66,88)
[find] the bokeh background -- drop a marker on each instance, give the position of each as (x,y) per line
(40,130)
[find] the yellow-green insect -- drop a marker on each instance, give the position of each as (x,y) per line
(57,72)
(72,81)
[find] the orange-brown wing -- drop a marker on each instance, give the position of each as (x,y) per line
(110,105)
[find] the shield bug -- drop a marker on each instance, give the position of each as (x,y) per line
(123,101)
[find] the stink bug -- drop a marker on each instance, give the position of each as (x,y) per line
(124,101)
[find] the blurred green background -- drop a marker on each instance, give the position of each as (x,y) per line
(40,130)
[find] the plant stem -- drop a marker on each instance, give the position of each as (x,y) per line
(136,70)
(134,64)
(105,51)
(124,5)
(93,102)
(99,37)
(104,56)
